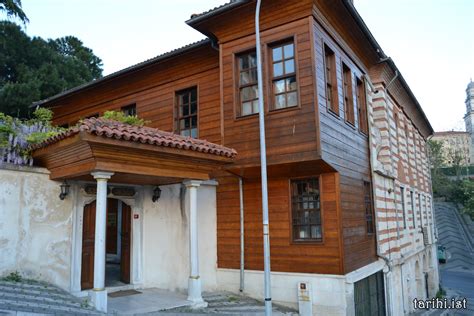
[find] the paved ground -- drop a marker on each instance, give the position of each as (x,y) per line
(27,298)
(457,275)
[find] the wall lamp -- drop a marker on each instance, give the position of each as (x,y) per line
(64,190)
(156,194)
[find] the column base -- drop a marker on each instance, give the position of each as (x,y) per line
(99,300)
(194,293)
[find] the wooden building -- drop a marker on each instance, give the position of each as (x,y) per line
(323,76)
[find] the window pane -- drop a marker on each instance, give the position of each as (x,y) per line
(187,123)
(246,108)
(289,66)
(194,133)
(289,51)
(291,84)
(255,106)
(248,93)
(193,95)
(186,109)
(185,132)
(316,232)
(193,108)
(253,59)
(304,232)
(245,78)
(182,124)
(280,101)
(277,69)
(277,54)
(243,62)
(292,99)
(194,121)
(279,86)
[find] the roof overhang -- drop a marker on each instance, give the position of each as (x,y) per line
(74,158)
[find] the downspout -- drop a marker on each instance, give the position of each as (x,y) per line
(242,239)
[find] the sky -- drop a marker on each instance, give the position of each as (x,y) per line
(431,41)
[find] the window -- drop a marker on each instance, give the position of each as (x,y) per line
(284,76)
(347,90)
(187,112)
(129,110)
(362,106)
(248,88)
(420,210)
(369,213)
(306,210)
(331,80)
(412,201)
(402,194)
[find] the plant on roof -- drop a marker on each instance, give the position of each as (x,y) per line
(123,118)
(16,136)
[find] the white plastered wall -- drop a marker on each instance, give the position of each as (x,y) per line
(166,237)
(35,226)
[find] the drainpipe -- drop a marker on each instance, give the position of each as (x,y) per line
(263,165)
(242,239)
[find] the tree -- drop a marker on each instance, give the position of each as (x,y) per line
(13,9)
(32,69)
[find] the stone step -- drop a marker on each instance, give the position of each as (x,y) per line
(45,292)
(39,299)
(45,308)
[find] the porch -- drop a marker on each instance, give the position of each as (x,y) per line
(112,168)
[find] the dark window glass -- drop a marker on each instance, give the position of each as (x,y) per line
(348,99)
(412,200)
(402,193)
(362,107)
(187,104)
(248,89)
(129,110)
(306,209)
(369,210)
(331,80)
(285,88)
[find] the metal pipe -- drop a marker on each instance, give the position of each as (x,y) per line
(242,239)
(263,163)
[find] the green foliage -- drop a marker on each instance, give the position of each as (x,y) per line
(121,117)
(13,277)
(43,115)
(32,69)
(441,293)
(13,9)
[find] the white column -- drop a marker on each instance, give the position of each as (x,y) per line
(194,283)
(99,293)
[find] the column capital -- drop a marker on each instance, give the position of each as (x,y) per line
(192,183)
(102,175)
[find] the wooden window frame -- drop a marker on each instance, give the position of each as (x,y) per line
(347,91)
(294,240)
(361,99)
(330,78)
(178,118)
(239,87)
(284,76)
(129,106)
(369,208)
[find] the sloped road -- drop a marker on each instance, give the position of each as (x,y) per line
(457,275)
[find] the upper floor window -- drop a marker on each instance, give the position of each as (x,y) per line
(369,213)
(248,88)
(331,79)
(306,209)
(187,112)
(402,194)
(129,110)
(412,201)
(284,83)
(420,210)
(362,106)
(348,99)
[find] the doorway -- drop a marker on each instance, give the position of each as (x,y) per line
(118,243)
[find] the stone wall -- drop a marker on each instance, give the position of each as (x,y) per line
(35,226)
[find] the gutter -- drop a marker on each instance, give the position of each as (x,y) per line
(196,19)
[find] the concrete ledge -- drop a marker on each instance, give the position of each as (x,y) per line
(22,168)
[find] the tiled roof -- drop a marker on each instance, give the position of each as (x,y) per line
(226,6)
(140,134)
(140,65)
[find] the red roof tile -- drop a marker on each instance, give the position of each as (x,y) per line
(142,134)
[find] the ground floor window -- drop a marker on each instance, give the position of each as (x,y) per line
(306,209)
(369,296)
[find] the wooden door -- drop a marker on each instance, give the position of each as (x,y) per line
(88,243)
(112,219)
(126,243)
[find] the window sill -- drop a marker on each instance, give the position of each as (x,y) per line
(310,242)
(245,117)
(350,124)
(331,112)
(287,109)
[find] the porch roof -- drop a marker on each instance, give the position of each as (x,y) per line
(137,155)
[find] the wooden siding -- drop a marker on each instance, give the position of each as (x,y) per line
(153,91)
(286,256)
(346,149)
(291,133)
